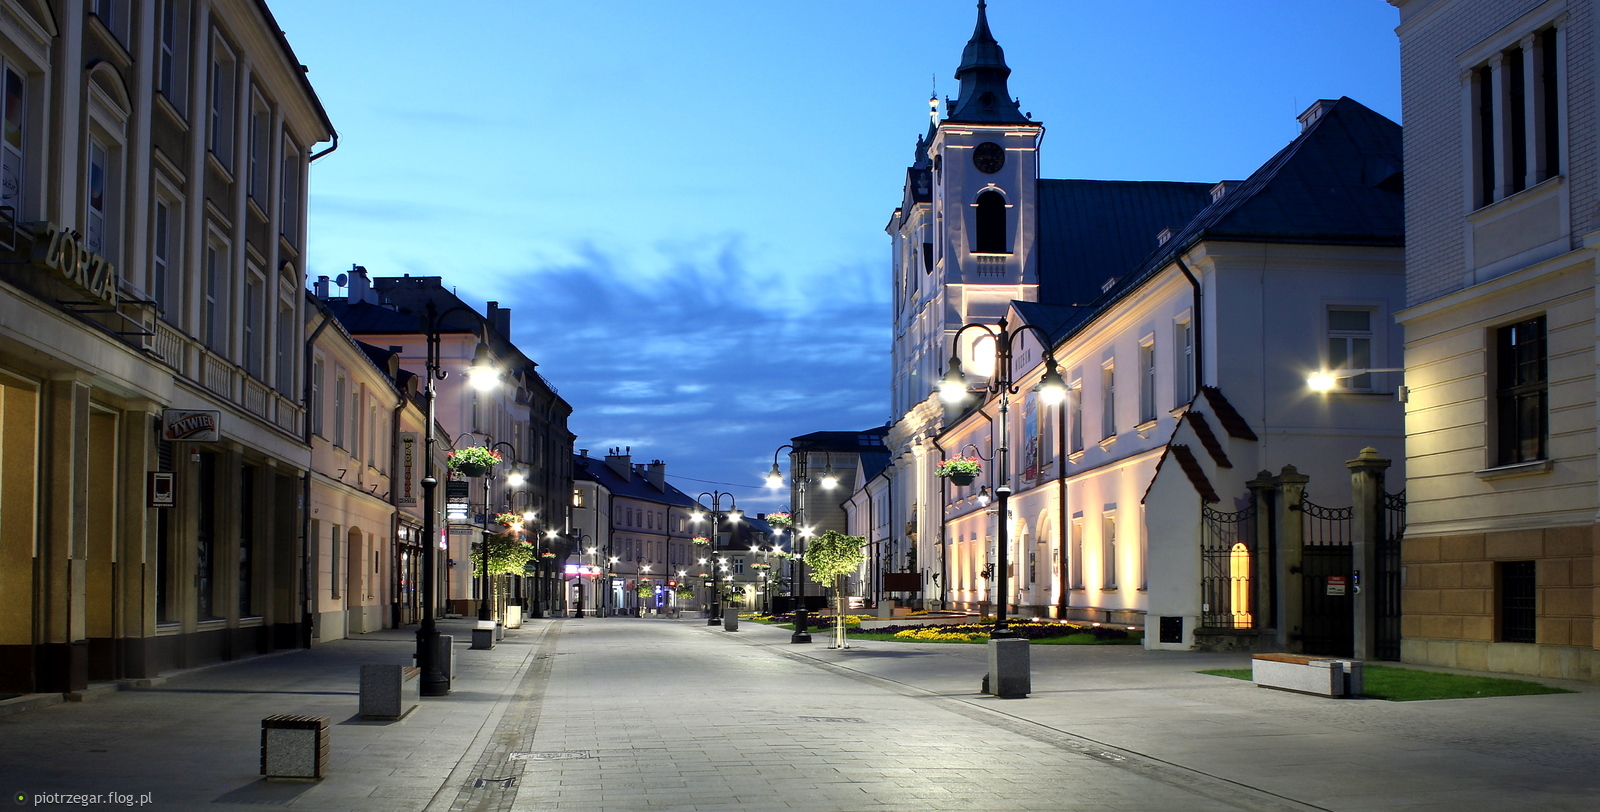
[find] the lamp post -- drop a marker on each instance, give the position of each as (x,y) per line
(1051,389)
(797,474)
(715,618)
(482,374)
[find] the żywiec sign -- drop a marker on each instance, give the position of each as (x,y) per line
(180,425)
(408,468)
(62,250)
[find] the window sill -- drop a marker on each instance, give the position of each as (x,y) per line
(172,111)
(221,168)
(1107,442)
(169,629)
(1515,470)
(211,625)
(1179,411)
(252,622)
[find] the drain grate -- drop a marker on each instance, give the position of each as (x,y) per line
(495,783)
(553,755)
(845,719)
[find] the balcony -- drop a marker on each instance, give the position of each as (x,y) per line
(192,360)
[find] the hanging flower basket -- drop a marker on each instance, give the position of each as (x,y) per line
(473,460)
(547,556)
(760,566)
(507,519)
(700,541)
(960,470)
(780,519)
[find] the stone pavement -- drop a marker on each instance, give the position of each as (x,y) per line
(647,714)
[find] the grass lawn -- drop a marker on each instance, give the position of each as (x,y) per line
(1398,684)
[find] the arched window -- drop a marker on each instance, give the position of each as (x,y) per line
(991,231)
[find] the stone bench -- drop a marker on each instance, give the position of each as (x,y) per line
(1301,673)
(389,691)
(294,747)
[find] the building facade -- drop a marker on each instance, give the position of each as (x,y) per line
(641,528)
(1501,545)
(152,214)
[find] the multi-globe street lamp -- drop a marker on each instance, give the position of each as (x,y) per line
(797,472)
(953,390)
(715,618)
(483,375)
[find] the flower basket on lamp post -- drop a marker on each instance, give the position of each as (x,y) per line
(700,541)
(960,470)
(780,519)
(473,461)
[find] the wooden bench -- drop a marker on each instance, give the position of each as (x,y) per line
(1320,676)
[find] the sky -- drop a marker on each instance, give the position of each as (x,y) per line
(683,202)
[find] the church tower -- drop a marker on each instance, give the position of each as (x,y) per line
(964,247)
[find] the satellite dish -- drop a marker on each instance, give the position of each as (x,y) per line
(342,280)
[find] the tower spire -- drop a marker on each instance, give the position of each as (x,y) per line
(984,96)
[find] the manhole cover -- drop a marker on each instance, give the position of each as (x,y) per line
(846,719)
(495,783)
(556,755)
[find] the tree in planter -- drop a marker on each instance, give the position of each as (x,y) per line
(508,555)
(831,556)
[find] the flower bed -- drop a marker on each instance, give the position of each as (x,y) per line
(972,632)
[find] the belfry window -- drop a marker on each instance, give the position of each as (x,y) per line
(990,236)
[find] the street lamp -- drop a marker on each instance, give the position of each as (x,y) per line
(797,472)
(953,389)
(1324,380)
(715,618)
(434,681)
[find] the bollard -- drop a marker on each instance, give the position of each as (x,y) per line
(294,747)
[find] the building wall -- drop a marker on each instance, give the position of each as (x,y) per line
(1475,265)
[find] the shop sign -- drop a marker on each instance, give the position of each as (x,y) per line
(161,490)
(408,468)
(183,425)
(62,250)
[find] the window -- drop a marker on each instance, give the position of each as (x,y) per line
(1075,555)
(115,15)
(287,334)
(252,325)
(1350,346)
(1521,381)
(372,434)
(161,255)
(990,235)
(1183,362)
(1108,551)
(1108,401)
(1075,436)
(255,180)
(577,498)
(289,188)
(221,94)
(1516,105)
(334,548)
(1147,380)
(316,405)
(96,238)
(1517,602)
(355,422)
(338,409)
(211,317)
(13,175)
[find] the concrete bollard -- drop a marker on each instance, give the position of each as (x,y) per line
(730,619)
(294,747)
(389,691)
(1010,668)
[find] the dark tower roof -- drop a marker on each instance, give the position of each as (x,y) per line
(984,97)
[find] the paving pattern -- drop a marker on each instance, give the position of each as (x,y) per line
(650,714)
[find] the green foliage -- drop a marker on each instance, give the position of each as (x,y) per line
(474,455)
(645,590)
(685,593)
(507,555)
(833,554)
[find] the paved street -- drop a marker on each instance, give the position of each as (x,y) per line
(624,714)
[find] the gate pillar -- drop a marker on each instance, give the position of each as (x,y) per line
(1290,533)
(1367,518)
(1264,552)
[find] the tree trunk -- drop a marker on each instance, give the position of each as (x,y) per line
(838,612)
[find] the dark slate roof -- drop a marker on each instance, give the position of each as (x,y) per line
(1191,469)
(873,463)
(1054,320)
(984,97)
(854,442)
(594,469)
(364,318)
(1232,422)
(1208,438)
(1092,230)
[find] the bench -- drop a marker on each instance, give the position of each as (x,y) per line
(389,691)
(1320,676)
(294,747)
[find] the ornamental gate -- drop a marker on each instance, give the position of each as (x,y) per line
(1386,642)
(1227,547)
(1327,611)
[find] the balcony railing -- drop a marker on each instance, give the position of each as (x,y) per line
(225,379)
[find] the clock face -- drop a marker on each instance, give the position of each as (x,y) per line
(989,157)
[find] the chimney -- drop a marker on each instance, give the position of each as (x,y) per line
(583,452)
(320,289)
(359,288)
(1314,112)
(656,474)
(620,462)
(500,319)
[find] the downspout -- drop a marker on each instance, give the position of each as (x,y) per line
(1063,559)
(334,146)
(307,562)
(877,583)
(395,601)
(1199,333)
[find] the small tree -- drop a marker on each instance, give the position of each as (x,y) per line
(508,555)
(831,556)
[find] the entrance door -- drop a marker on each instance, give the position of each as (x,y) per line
(1327,603)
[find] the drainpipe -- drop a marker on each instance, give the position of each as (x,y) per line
(944,547)
(308,562)
(1064,526)
(395,601)
(1199,334)
(316,155)
(877,584)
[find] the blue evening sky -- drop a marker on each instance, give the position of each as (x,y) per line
(683,201)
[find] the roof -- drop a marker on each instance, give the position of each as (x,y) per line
(984,97)
(873,463)
(853,442)
(636,486)
(1093,230)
